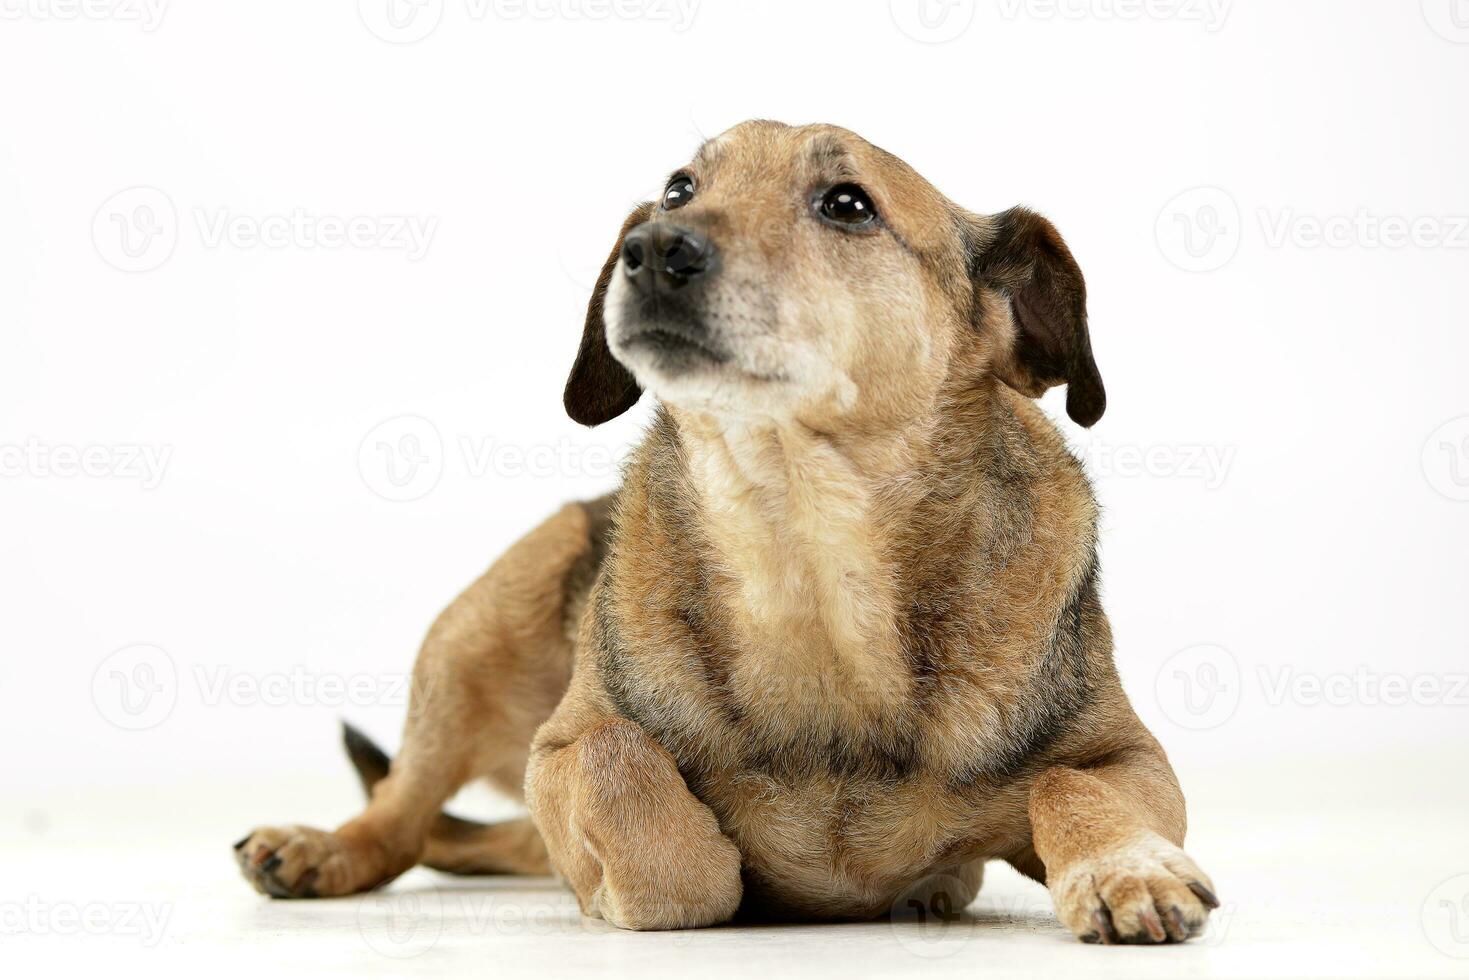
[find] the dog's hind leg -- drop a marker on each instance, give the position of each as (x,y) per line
(454,845)
(493,667)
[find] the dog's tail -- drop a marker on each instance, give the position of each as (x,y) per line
(455,845)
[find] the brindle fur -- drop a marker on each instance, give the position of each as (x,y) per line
(814,660)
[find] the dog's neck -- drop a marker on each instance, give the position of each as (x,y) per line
(801,523)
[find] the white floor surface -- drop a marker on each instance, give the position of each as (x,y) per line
(104,884)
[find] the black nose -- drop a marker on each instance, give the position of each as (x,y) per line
(654,253)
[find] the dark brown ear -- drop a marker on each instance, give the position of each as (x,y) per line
(1021,254)
(599,388)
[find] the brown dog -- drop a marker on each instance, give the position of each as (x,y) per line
(836,642)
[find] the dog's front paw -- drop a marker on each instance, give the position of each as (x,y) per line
(302,862)
(1143,891)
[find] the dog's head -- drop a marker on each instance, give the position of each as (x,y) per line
(801,272)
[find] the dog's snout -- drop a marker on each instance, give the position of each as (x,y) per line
(686,255)
(655,252)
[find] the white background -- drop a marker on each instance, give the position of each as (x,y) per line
(1284,463)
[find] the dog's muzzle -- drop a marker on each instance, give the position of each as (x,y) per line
(665,266)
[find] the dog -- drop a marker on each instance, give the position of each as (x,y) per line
(836,641)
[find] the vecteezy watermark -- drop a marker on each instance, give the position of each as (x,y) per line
(407,21)
(1211,14)
(1449,19)
(403,458)
(1445,916)
(139,686)
(1285,227)
(1363,686)
(137,230)
(301,687)
(408,233)
(35,916)
(1199,687)
(35,459)
(136,688)
(1199,230)
(932,21)
(147,14)
(401,924)
(928,918)
(1446,459)
(401,21)
(408,923)
(1206,464)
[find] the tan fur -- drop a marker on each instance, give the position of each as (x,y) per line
(837,639)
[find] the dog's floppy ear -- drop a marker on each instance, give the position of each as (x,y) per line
(599,388)
(1021,255)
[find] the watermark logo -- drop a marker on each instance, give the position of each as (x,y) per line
(407,233)
(1363,687)
(136,688)
(34,916)
(401,21)
(678,14)
(139,687)
(1208,465)
(1216,927)
(123,461)
(1210,13)
(402,458)
(147,14)
(1449,19)
(407,21)
(1363,228)
(136,230)
(1445,916)
(299,686)
(403,924)
(408,923)
(1199,687)
(1446,459)
(1202,687)
(1199,230)
(932,21)
(929,920)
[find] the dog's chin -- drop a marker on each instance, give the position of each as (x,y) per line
(687,365)
(669,350)
(693,376)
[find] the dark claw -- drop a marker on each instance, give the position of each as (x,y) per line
(1204,895)
(1102,919)
(1180,926)
(240,844)
(1153,927)
(1091,937)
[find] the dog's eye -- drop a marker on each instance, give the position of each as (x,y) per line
(848,204)
(680,191)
